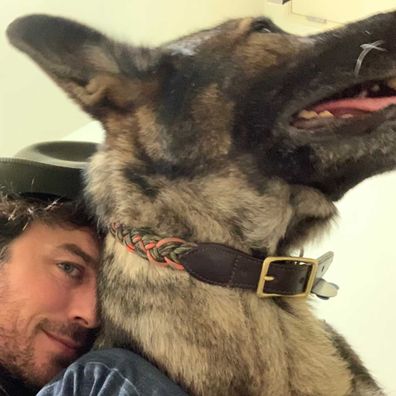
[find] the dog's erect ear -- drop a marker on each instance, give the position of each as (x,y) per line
(94,70)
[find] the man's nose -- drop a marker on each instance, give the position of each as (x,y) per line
(84,308)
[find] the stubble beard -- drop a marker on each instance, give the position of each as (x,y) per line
(17,349)
(17,356)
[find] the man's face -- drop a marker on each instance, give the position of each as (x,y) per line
(48,300)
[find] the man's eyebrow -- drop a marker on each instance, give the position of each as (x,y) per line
(76,250)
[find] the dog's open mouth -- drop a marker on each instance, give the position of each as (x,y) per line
(357,101)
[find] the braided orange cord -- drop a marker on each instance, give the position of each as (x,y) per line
(165,241)
(133,239)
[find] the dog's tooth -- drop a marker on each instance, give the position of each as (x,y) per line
(347,116)
(326,114)
(363,94)
(391,83)
(308,115)
(375,88)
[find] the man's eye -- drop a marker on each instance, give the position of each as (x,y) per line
(70,269)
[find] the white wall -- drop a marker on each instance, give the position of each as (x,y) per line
(32,108)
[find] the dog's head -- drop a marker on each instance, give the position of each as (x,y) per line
(241,134)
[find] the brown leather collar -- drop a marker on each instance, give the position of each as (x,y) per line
(224,266)
(274,276)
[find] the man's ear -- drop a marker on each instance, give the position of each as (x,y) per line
(97,72)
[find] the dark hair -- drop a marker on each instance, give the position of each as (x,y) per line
(18,212)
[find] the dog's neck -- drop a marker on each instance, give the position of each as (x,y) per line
(224,266)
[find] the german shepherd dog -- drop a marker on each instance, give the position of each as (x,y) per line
(239,138)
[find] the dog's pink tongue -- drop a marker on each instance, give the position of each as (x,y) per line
(356,104)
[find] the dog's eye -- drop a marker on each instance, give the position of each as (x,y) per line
(262,25)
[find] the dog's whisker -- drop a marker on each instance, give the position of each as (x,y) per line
(366,48)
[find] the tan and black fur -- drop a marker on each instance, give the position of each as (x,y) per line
(199,144)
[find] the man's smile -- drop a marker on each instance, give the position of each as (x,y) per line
(68,346)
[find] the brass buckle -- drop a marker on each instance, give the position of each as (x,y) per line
(266,278)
